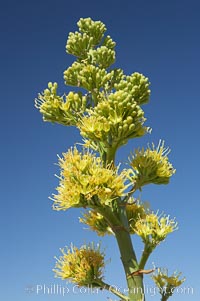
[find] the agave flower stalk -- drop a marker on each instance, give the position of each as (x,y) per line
(106,106)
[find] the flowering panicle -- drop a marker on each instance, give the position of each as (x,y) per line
(83,177)
(165,283)
(107,110)
(110,111)
(82,266)
(151,165)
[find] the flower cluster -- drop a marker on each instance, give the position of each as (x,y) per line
(165,283)
(87,44)
(88,76)
(94,29)
(153,228)
(83,178)
(65,109)
(121,118)
(96,222)
(90,35)
(82,266)
(94,55)
(109,113)
(102,56)
(137,85)
(151,165)
(135,211)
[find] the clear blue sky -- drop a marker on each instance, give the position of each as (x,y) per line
(160,39)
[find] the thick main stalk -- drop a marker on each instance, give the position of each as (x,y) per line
(129,261)
(128,256)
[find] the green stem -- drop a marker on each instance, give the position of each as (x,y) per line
(128,256)
(95,97)
(111,289)
(129,260)
(145,255)
(164,298)
(110,155)
(129,194)
(110,217)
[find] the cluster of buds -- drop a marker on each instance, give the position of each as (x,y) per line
(94,29)
(153,229)
(137,85)
(66,109)
(167,284)
(102,57)
(85,182)
(84,44)
(115,115)
(82,266)
(94,56)
(89,44)
(78,44)
(86,76)
(151,165)
(109,113)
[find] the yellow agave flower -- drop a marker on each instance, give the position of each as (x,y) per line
(165,283)
(152,165)
(82,266)
(113,119)
(96,222)
(153,228)
(83,178)
(94,127)
(135,211)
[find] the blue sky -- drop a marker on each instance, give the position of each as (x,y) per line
(160,39)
